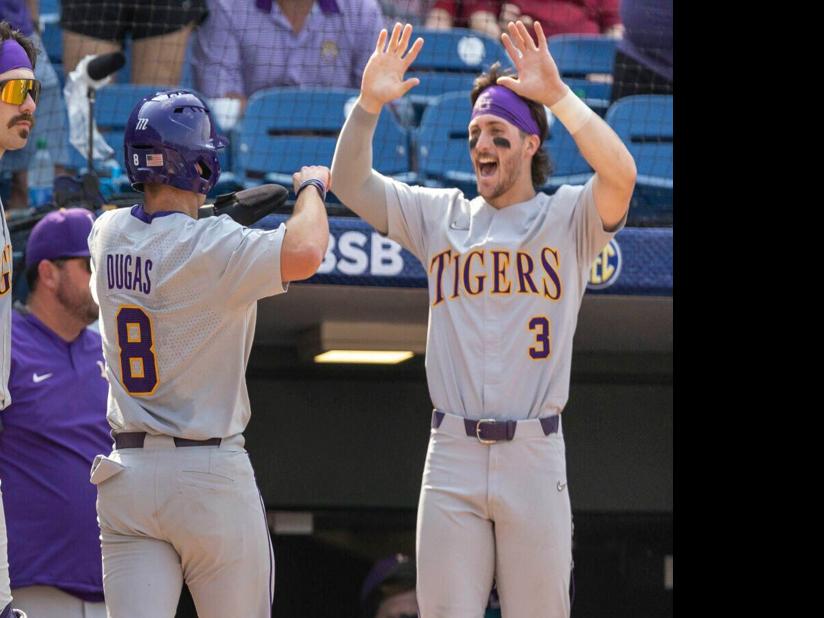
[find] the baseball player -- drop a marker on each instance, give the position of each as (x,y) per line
(177,498)
(18,99)
(507,272)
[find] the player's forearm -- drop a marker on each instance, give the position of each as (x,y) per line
(307,237)
(357,185)
(614,168)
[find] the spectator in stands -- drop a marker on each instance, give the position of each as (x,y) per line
(566,16)
(405,11)
(480,15)
(643,61)
(51,108)
(247,45)
(389,589)
(159,30)
(53,428)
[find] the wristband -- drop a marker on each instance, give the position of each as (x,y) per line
(313,182)
(572,112)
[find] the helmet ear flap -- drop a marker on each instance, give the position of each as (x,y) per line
(203,169)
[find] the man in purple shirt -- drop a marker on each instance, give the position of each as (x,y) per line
(54,427)
(247,45)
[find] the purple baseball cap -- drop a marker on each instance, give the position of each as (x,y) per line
(386,569)
(61,233)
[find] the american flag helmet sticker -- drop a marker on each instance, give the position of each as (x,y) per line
(154,160)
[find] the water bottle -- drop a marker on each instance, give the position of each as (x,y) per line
(41,176)
(109,177)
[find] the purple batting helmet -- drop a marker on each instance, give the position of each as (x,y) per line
(171,139)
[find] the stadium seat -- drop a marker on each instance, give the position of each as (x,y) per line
(585,62)
(284,129)
(442,138)
(443,155)
(449,61)
(568,166)
(644,123)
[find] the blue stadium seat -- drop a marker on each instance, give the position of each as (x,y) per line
(458,51)
(284,129)
(580,57)
(449,61)
(443,155)
(568,166)
(644,123)
(442,138)
(53,41)
(49,7)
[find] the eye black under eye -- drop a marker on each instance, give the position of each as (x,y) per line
(501,142)
(473,141)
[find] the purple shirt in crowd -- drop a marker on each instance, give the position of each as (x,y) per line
(54,427)
(247,45)
(648,34)
(17,14)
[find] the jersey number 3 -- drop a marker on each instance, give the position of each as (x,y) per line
(138,364)
(541,326)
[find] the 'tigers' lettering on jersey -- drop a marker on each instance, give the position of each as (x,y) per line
(508,273)
(128,272)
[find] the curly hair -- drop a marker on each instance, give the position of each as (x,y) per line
(7,32)
(541,165)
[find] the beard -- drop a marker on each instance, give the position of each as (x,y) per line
(507,177)
(78,303)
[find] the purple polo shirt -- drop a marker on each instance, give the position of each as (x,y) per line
(17,14)
(247,45)
(54,427)
(648,34)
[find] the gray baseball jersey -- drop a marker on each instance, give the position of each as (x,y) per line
(176,297)
(505,287)
(6,262)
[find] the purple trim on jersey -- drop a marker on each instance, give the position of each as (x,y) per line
(140,213)
(6,612)
(329,7)
(500,101)
(54,427)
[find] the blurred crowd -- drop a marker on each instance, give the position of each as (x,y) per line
(229,49)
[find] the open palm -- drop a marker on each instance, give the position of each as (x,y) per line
(538,76)
(383,76)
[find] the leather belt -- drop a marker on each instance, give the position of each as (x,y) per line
(490,430)
(135,439)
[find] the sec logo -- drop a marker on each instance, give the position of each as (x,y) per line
(606,267)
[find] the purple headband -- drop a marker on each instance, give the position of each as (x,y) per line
(13,56)
(502,102)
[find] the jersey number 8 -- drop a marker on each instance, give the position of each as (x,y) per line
(138,364)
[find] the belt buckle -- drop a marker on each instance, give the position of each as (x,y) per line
(478,430)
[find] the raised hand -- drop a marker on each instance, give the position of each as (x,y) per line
(538,76)
(383,76)
(306,172)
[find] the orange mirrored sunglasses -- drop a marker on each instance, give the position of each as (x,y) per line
(14,91)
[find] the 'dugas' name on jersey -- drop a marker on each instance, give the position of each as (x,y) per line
(129,272)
